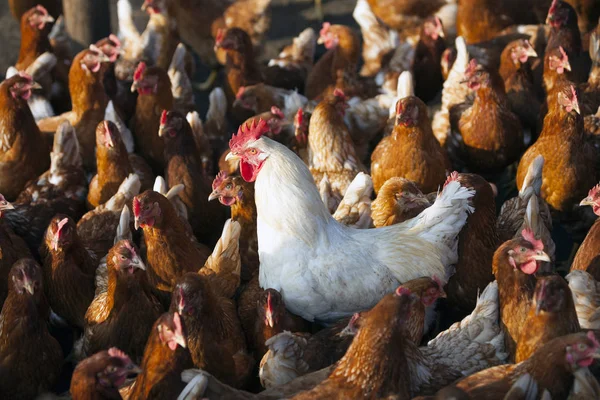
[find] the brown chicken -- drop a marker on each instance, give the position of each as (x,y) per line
(515,70)
(170,253)
(485,135)
(552,314)
(35,27)
(343,50)
(61,189)
(12,246)
(165,358)
(557,71)
(20,7)
(112,164)
(331,152)
(551,367)
(586,258)
(69,271)
(240,66)
(154,95)
(89,100)
(566,171)
(428,290)
(30,358)
(426,66)
(271,319)
(100,376)
(24,153)
(514,265)
(123,316)
(184,167)
(397,201)
(235,192)
(214,334)
(411,151)
(381,333)
(477,242)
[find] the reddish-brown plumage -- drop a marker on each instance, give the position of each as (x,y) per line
(25,152)
(184,167)
(551,315)
(69,271)
(551,367)
(35,27)
(568,156)
(112,164)
(214,334)
(89,101)
(19,7)
(30,358)
(123,316)
(477,242)
(162,364)
(100,376)
(426,66)
(169,251)
(154,96)
(375,364)
(411,151)
(513,266)
(343,51)
(398,200)
(586,258)
(564,32)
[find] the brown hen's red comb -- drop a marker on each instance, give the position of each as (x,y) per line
(41,9)
(221,176)
(163,117)
(339,93)
(129,247)
(438,281)
(401,291)
(452,177)
(220,36)
(325,29)
(240,92)
(530,237)
(594,191)
(113,38)
(592,337)
(563,53)
(137,207)
(248,132)
(471,67)
(299,117)
(137,75)
(277,112)
(553,7)
(114,352)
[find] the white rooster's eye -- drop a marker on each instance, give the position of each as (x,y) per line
(252,151)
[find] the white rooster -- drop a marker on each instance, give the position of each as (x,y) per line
(323,269)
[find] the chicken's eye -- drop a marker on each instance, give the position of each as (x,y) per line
(111,369)
(252,151)
(581,346)
(228,187)
(123,257)
(522,249)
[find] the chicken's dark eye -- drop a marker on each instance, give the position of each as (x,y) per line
(123,257)
(522,249)
(582,346)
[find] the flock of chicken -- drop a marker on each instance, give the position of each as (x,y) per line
(146,253)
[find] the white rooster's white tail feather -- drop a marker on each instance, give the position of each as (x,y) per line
(174,191)
(123,229)
(110,114)
(533,178)
(160,186)
(181,85)
(355,207)
(405,85)
(217,108)
(129,188)
(193,118)
(127,29)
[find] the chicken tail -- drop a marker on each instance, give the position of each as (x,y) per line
(127,30)
(41,66)
(586,295)
(129,188)
(305,45)
(355,208)
(225,260)
(58,33)
(65,151)
(110,114)
(181,85)
(406,86)
(193,118)
(284,361)
(595,49)
(197,383)
(160,185)
(217,109)
(533,179)
(524,388)
(124,227)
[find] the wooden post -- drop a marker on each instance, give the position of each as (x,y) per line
(87,20)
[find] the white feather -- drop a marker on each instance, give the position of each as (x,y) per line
(110,114)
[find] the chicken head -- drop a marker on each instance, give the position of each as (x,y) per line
(20,86)
(109,369)
(110,46)
(271,307)
(558,60)
(593,199)
(126,258)
(5,205)
(560,13)
(61,233)
(93,58)
(409,111)
(243,146)
(582,353)
(550,292)
(37,17)
(170,331)
(527,253)
(146,79)
(521,52)
(328,36)
(146,209)
(26,278)
(433,27)
(171,122)
(107,135)
(225,189)
(567,98)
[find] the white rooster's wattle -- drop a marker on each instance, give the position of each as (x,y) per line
(323,269)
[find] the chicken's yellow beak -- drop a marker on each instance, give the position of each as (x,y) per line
(588,201)
(134,86)
(213,195)
(231,156)
(541,256)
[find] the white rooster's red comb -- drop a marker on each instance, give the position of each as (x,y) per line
(530,237)
(247,132)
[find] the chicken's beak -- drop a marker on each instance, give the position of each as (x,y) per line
(531,52)
(538,307)
(6,205)
(161,130)
(269,318)
(137,223)
(231,156)
(133,370)
(576,108)
(567,66)
(180,340)
(48,18)
(134,86)
(541,256)
(213,195)
(35,85)
(28,285)
(137,261)
(588,201)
